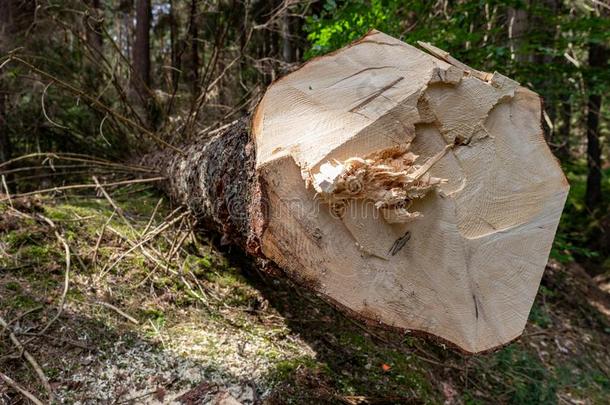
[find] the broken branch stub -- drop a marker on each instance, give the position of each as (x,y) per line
(449,195)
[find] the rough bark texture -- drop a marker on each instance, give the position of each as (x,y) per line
(288,50)
(216,179)
(94,26)
(141,48)
(518,25)
(193,63)
(173,29)
(15,17)
(563,134)
(5,143)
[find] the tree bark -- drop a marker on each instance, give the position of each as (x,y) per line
(548,34)
(15,17)
(385,194)
(518,26)
(288,48)
(216,179)
(94,28)
(193,33)
(597,60)
(565,113)
(173,39)
(5,141)
(141,48)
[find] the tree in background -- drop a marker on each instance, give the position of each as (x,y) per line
(141,47)
(598,60)
(15,18)
(597,85)
(141,57)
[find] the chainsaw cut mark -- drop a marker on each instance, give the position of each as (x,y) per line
(400,243)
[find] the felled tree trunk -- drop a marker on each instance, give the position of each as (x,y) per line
(405,187)
(216,178)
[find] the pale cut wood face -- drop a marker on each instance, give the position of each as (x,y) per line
(468,270)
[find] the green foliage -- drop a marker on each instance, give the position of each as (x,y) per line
(540,316)
(476,32)
(578,228)
(342,23)
(525,378)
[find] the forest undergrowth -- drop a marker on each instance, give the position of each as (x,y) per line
(110,294)
(150,311)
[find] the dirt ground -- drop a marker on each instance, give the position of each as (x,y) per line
(149,312)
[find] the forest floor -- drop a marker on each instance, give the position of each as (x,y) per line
(153,314)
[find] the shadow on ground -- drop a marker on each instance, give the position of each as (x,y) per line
(562,356)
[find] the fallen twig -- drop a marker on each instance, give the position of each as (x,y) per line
(7,191)
(119,311)
(83,186)
(59,339)
(13,384)
(64,293)
(152,216)
(145,252)
(99,240)
(72,157)
(30,359)
(12,321)
(139,244)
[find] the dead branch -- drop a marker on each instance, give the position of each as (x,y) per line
(139,244)
(20,389)
(99,239)
(30,359)
(64,293)
(93,101)
(74,157)
(83,186)
(152,216)
(119,311)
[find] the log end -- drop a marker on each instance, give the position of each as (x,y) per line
(449,235)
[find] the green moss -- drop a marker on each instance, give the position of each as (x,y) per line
(198,265)
(22,302)
(74,208)
(13,286)
(539,315)
(17,238)
(285,369)
(36,253)
(155,315)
